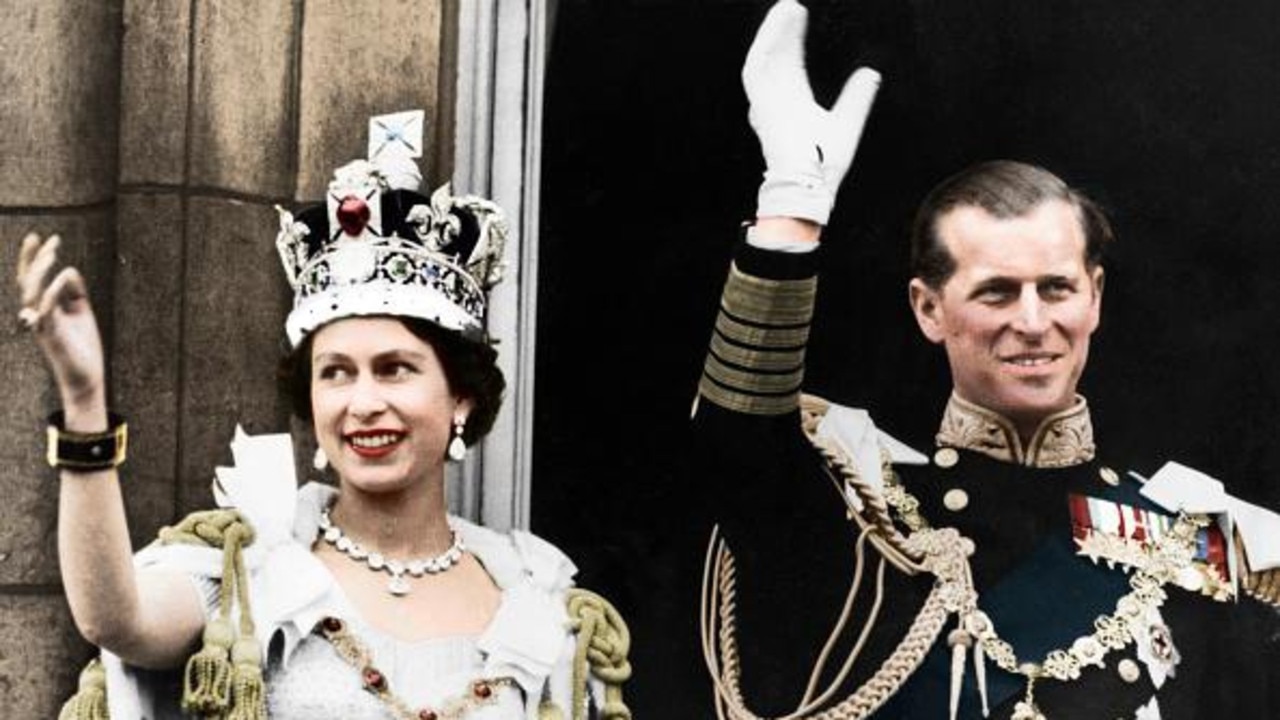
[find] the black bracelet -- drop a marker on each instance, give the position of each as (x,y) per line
(87,452)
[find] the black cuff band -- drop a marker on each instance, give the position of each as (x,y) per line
(87,452)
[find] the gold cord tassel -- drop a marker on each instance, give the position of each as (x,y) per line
(548,710)
(224,671)
(248,691)
(248,694)
(206,687)
(90,700)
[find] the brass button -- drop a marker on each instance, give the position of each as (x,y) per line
(955,500)
(946,457)
(1109,476)
(1129,671)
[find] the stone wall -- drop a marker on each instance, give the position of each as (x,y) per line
(156,136)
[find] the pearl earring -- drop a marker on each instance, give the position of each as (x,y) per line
(457,447)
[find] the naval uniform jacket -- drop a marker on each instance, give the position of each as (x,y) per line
(793,544)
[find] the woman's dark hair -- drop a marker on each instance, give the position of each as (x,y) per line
(470,368)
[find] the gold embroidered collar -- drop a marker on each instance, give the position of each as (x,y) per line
(1062,440)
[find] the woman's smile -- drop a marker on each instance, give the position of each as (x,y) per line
(374,443)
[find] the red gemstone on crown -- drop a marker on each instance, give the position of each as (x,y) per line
(353,215)
(331,625)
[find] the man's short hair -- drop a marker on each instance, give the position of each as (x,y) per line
(1004,189)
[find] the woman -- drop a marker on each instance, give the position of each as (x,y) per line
(364,601)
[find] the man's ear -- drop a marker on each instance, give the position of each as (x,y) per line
(1097,278)
(926,303)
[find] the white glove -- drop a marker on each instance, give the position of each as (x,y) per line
(807,149)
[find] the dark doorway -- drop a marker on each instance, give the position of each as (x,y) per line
(1164,112)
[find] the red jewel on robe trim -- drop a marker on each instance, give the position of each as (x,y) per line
(331,625)
(373,679)
(353,215)
(1161,642)
(481,689)
(427,715)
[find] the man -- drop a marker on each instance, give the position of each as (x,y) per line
(996,587)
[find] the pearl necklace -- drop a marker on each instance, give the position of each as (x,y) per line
(397,569)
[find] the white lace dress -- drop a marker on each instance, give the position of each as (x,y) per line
(425,674)
(529,639)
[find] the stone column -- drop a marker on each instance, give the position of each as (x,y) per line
(58,148)
(156,136)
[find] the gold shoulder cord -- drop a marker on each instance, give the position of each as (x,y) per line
(224,678)
(943,553)
(603,642)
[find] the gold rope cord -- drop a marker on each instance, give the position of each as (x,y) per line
(603,643)
(845,612)
(944,554)
(891,543)
(719,645)
(224,678)
(876,525)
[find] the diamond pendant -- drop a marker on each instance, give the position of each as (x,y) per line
(399,586)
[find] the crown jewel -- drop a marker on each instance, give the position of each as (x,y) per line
(378,247)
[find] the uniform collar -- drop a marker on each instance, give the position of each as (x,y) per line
(1062,439)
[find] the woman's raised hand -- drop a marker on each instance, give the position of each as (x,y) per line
(59,315)
(807,148)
